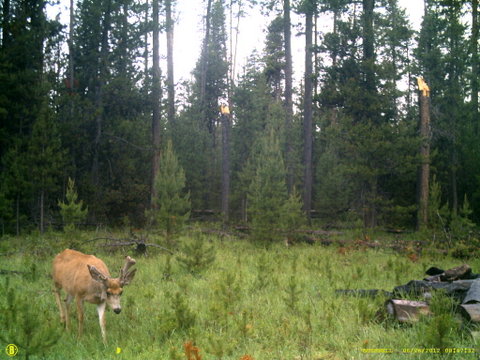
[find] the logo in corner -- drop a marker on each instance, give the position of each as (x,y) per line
(11,350)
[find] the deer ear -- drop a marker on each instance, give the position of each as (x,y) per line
(96,274)
(128,277)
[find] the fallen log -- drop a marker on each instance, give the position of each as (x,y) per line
(140,247)
(12,272)
(363,292)
(473,294)
(462,272)
(471,311)
(407,310)
(457,273)
(456,288)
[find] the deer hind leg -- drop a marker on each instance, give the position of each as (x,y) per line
(79,302)
(101,319)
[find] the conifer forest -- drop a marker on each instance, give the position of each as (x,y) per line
(276,206)
(88,115)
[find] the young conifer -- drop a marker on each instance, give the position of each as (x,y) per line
(267,191)
(72,209)
(172,205)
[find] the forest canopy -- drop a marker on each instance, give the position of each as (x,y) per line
(88,101)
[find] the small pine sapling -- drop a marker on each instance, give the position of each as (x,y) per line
(171,208)
(72,209)
(196,255)
(24,324)
(292,216)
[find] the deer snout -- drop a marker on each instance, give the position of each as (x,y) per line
(117,310)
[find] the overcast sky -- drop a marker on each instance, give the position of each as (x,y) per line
(189,33)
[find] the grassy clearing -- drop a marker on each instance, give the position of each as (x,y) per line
(269,303)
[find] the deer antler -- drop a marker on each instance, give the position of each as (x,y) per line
(124,275)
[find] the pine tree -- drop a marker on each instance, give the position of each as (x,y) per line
(172,204)
(267,192)
(46,161)
(72,209)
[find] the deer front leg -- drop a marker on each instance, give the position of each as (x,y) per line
(101,319)
(79,302)
(56,292)
(68,300)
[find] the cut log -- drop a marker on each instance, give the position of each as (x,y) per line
(471,311)
(407,310)
(473,294)
(433,278)
(460,272)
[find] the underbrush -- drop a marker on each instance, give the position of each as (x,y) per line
(241,299)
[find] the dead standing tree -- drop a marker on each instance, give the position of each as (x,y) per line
(424,170)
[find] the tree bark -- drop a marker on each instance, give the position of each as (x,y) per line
(42,217)
(307,121)
(368,45)
(17,214)
(475,74)
(288,93)
(156,99)
(71,61)
(424,171)
(5,23)
(145,51)
(226,126)
(203,75)
(170,65)
(100,83)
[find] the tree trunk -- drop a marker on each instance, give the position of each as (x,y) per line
(203,75)
(170,73)
(368,45)
(226,125)
(17,215)
(424,171)
(475,82)
(42,211)
(99,102)
(370,114)
(234,48)
(307,122)
(145,51)
(71,61)
(335,33)
(156,99)
(288,94)
(5,23)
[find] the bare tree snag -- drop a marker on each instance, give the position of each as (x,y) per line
(424,170)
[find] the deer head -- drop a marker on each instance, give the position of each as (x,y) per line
(113,287)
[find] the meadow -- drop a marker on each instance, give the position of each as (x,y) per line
(231,298)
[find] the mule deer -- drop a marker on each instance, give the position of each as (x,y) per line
(86,278)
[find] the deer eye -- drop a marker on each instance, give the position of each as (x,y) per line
(109,293)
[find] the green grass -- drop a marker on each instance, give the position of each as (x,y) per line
(269,303)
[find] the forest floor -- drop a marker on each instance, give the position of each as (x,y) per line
(251,301)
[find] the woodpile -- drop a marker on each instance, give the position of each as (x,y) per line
(459,282)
